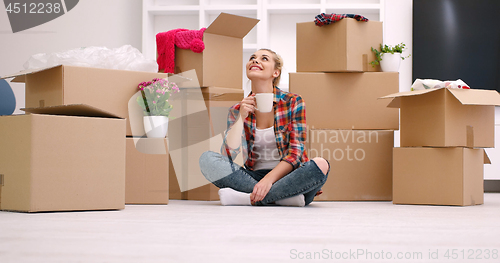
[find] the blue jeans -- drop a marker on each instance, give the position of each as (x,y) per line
(306,179)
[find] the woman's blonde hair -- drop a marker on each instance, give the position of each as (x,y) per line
(278,64)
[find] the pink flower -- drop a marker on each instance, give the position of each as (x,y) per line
(154,102)
(158,91)
(158,96)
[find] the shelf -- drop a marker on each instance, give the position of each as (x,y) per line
(174,10)
(293,8)
(249,47)
(231,7)
(354,7)
(200,13)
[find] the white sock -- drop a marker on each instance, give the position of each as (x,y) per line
(230,196)
(297,200)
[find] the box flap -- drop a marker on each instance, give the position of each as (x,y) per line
(231,25)
(20,76)
(486,158)
(408,93)
(72,110)
(465,96)
(395,103)
(476,96)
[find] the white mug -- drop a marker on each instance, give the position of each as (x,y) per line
(264,102)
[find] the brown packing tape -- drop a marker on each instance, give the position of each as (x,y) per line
(470,136)
(212,94)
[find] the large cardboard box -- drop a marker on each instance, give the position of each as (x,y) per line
(106,89)
(208,192)
(62,163)
(438,176)
(198,125)
(347,100)
(447,117)
(220,64)
(146,173)
(360,163)
(344,46)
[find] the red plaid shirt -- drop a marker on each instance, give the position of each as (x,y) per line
(289,127)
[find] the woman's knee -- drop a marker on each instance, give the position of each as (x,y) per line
(323,164)
(206,159)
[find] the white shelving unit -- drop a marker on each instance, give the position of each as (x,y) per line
(276,29)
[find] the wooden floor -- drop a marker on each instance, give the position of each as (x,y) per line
(194,231)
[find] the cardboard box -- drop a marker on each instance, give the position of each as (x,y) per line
(344,46)
(438,176)
(447,117)
(198,125)
(146,180)
(106,89)
(347,100)
(208,192)
(360,163)
(62,163)
(219,65)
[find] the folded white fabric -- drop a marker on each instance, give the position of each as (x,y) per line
(421,84)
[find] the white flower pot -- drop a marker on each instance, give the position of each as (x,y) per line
(390,62)
(156,126)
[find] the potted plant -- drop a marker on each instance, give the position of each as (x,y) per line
(389,57)
(155,105)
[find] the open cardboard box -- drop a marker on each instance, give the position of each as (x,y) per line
(438,176)
(198,125)
(347,100)
(447,117)
(62,158)
(344,46)
(146,173)
(219,65)
(106,89)
(360,161)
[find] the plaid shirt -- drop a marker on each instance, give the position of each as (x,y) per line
(289,128)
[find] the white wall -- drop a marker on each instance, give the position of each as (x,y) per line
(398,28)
(110,23)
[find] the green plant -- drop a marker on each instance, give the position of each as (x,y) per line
(399,48)
(155,95)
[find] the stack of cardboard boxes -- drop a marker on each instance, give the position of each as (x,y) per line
(201,107)
(347,125)
(443,131)
(68,152)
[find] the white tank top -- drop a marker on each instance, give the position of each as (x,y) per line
(265,149)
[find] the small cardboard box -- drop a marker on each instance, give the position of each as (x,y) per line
(438,176)
(106,89)
(360,163)
(347,100)
(344,46)
(62,163)
(146,173)
(198,125)
(219,65)
(447,117)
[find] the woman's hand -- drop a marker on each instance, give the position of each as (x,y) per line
(247,105)
(260,190)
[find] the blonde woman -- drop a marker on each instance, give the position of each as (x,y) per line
(277,170)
